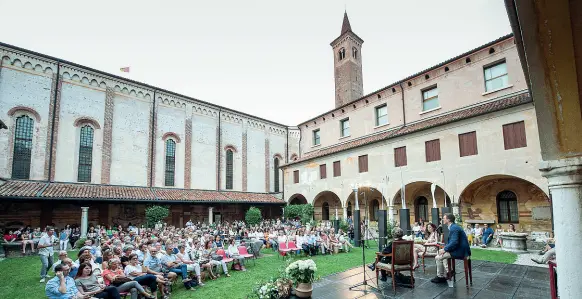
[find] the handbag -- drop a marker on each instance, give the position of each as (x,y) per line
(217,257)
(120,280)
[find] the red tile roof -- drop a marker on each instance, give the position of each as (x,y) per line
(17,189)
(473,111)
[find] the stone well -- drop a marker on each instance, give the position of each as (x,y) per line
(514,242)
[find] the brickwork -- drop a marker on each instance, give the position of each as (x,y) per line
(218,156)
(151,177)
(107,136)
(53,128)
(244,162)
(188,154)
(267,166)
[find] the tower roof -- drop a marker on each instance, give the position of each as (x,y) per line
(346,27)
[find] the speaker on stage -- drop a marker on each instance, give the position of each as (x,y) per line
(382,229)
(435,216)
(336,225)
(405,221)
(357,229)
(446,210)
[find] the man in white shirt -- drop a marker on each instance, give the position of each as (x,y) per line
(46,252)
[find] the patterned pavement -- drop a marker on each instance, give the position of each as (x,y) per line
(490,280)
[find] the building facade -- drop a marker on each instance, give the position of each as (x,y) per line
(81,137)
(78,137)
(466,126)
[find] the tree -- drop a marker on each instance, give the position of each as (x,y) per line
(303,212)
(155,214)
(253,216)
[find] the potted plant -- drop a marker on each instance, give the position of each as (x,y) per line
(267,290)
(302,272)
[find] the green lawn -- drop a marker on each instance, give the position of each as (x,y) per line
(21,275)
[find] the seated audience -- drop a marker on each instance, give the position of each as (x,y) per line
(88,285)
(62,286)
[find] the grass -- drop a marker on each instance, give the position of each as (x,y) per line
(21,275)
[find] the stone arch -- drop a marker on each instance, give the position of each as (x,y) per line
(33,112)
(230,147)
(87,120)
(171,135)
(479,201)
(294,157)
(329,200)
(369,200)
(297,199)
(278,156)
(414,191)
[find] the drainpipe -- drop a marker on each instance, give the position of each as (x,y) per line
(219,150)
(300,136)
(403,112)
(152,141)
(50,169)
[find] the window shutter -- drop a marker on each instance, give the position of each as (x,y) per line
(363,163)
(468,144)
(432,150)
(322,171)
(337,170)
(400,156)
(514,135)
(296,176)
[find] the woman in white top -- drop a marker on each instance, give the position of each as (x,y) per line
(185,258)
(233,252)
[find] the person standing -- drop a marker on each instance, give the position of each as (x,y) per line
(46,252)
(457,248)
(63,239)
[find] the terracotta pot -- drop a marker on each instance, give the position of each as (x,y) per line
(303,290)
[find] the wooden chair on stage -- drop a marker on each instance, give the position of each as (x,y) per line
(402,260)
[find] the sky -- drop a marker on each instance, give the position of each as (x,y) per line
(267,58)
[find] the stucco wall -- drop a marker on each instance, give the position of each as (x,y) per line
(256,159)
(28,88)
(459,172)
(79,102)
(130,140)
(170,119)
(204,152)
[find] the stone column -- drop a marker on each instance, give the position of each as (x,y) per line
(565,183)
(210,215)
(84,221)
(391,214)
(345,215)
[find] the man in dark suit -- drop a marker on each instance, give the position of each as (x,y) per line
(457,247)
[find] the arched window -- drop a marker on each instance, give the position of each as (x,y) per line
(229,169)
(341,54)
(354,53)
(276,173)
(349,209)
(22,147)
(507,207)
(170,162)
(421,208)
(85,154)
(325,211)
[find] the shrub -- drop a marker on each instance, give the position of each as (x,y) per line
(303,212)
(155,214)
(302,271)
(344,226)
(253,216)
(80,243)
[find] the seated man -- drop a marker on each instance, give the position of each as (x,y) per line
(153,266)
(173,264)
(487,235)
(457,248)
(62,286)
(549,253)
(397,234)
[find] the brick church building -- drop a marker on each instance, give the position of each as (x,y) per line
(79,137)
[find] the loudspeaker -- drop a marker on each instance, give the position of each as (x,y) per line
(405,221)
(435,216)
(336,225)
(446,210)
(357,229)
(382,229)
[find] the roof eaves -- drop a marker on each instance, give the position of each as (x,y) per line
(59,60)
(401,131)
(505,37)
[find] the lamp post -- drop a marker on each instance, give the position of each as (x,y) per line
(434,211)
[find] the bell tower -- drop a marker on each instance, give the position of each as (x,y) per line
(347,61)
